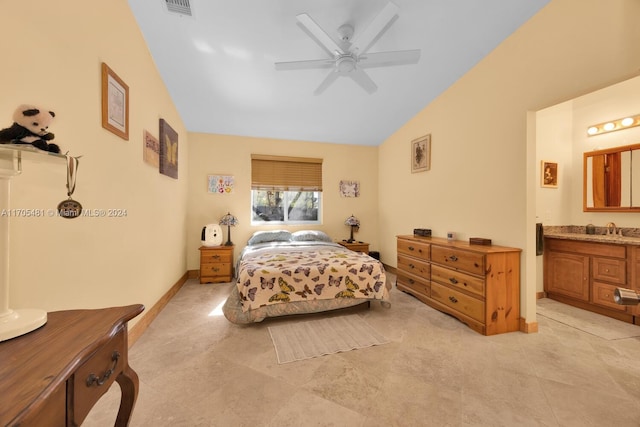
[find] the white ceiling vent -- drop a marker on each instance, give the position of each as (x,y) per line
(182,7)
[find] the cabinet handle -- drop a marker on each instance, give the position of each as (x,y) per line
(411,248)
(453,280)
(412,266)
(453,299)
(453,258)
(216,269)
(216,257)
(411,281)
(92,378)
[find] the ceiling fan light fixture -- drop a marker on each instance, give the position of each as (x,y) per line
(345,63)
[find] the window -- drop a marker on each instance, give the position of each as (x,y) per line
(286,190)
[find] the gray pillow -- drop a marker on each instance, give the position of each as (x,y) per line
(311,236)
(269,236)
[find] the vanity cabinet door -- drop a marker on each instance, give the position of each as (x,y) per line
(567,274)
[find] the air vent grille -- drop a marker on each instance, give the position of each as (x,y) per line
(183,7)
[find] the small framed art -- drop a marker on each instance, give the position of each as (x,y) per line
(549,174)
(115,103)
(168,150)
(421,154)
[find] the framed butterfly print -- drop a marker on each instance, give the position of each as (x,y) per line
(168,150)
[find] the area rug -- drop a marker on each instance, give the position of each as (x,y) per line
(313,338)
(586,321)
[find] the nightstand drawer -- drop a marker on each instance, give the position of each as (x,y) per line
(208,256)
(215,269)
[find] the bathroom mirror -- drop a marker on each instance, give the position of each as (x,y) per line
(612,180)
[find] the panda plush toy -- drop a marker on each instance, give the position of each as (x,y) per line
(30,126)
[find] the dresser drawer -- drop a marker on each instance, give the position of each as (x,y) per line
(215,256)
(415,249)
(603,295)
(93,379)
(611,270)
(458,301)
(470,262)
(217,269)
(414,283)
(458,280)
(414,266)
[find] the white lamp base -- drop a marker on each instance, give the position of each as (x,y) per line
(19,322)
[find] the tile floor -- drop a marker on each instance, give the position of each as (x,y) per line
(197,369)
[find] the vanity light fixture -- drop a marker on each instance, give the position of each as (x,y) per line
(613,125)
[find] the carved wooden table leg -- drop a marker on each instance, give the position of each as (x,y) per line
(128,381)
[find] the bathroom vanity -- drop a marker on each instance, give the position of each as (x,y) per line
(584,270)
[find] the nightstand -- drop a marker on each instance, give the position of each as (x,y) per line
(355,246)
(216,264)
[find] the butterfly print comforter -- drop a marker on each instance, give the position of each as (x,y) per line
(288,273)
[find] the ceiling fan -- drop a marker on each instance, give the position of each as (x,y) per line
(350,58)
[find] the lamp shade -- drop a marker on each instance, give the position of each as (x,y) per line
(229,220)
(352,221)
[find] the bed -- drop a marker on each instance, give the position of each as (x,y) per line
(280,273)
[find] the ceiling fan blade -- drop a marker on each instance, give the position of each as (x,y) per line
(331,77)
(318,34)
(381,59)
(363,79)
(365,39)
(305,65)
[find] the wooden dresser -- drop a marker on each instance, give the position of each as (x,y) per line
(216,264)
(477,284)
(54,375)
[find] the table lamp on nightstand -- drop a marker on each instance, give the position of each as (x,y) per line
(353,222)
(230,221)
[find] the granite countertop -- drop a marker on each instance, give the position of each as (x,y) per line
(630,236)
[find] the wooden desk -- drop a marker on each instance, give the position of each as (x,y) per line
(54,375)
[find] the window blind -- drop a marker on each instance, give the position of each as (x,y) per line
(285,173)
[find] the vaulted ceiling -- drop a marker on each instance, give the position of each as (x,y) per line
(218,63)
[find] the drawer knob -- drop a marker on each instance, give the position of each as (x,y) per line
(453,258)
(412,281)
(453,299)
(453,280)
(93,378)
(412,266)
(216,269)
(411,248)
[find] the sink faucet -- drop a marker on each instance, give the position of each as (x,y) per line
(611,228)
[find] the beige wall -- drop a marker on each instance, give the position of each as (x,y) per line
(231,155)
(52,54)
(483,173)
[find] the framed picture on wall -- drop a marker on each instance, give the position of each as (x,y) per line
(115,103)
(549,174)
(421,154)
(168,150)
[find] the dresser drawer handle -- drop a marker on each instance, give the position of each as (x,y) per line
(453,299)
(412,281)
(411,248)
(92,378)
(453,258)
(411,266)
(453,280)
(216,269)
(216,257)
